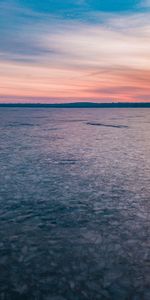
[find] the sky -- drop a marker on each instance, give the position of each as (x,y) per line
(57,51)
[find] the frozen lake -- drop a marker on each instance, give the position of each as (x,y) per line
(74,204)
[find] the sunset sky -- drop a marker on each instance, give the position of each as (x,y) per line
(74,50)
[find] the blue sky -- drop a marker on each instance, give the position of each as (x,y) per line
(64,39)
(60,5)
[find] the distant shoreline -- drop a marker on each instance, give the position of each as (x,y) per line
(78,105)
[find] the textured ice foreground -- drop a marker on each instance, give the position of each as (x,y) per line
(74,204)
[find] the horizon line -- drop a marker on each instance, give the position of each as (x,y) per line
(78,104)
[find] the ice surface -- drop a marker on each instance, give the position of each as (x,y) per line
(74,204)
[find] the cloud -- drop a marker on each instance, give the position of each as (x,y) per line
(55,58)
(144,4)
(24,32)
(117,90)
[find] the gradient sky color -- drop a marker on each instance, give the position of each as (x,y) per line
(74,50)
